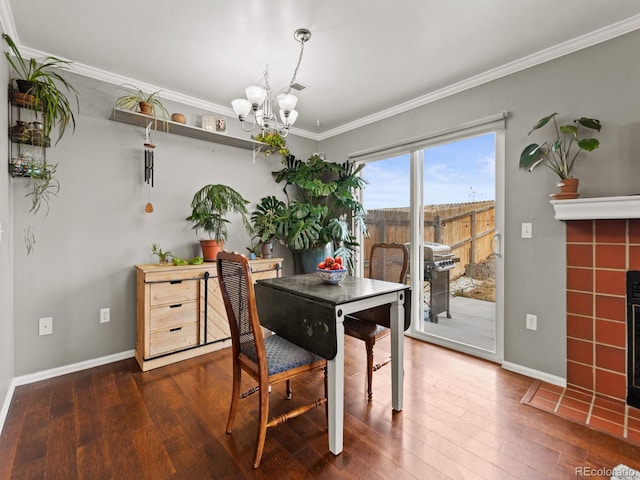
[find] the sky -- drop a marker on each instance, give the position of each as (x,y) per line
(457,172)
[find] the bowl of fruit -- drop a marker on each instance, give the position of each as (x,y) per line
(331,270)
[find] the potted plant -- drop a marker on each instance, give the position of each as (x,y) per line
(146,103)
(276,144)
(557,155)
(318,221)
(266,220)
(253,251)
(163,257)
(209,206)
(43,86)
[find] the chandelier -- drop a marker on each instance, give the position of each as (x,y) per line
(260,102)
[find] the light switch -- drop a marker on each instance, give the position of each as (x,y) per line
(527,230)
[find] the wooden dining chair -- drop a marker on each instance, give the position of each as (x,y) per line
(388,261)
(267,360)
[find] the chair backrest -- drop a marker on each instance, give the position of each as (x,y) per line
(236,285)
(389,262)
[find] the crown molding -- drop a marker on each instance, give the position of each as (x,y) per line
(584,41)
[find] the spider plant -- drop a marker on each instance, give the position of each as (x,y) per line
(48,86)
(137,100)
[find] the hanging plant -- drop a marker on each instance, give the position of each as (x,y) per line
(44,81)
(276,144)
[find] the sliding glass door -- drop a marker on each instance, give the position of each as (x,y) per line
(441,200)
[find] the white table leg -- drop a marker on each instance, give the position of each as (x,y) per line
(335,392)
(397,352)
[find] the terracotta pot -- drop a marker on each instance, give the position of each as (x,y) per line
(210,249)
(146,108)
(567,189)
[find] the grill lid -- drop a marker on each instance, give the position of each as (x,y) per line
(436,251)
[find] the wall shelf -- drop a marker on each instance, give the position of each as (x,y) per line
(140,120)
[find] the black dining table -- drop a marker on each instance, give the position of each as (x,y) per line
(308,312)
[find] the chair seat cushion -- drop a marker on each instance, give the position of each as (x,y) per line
(363,329)
(282,355)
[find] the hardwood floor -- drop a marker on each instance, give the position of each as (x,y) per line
(462,419)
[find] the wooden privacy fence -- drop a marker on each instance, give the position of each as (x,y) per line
(467,228)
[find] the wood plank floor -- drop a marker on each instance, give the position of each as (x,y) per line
(462,419)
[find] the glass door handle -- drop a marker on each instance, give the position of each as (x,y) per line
(496,245)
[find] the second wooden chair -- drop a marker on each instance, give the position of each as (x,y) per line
(389,262)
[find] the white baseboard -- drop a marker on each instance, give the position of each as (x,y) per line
(56,372)
(537,374)
(6,404)
(74,367)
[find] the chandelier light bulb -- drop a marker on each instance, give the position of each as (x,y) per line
(287,102)
(259,105)
(256,96)
(293,116)
(242,107)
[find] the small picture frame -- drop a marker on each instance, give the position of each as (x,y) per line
(209,123)
(320,154)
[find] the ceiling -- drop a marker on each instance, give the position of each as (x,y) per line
(366,59)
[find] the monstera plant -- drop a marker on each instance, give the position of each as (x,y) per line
(561,151)
(319,216)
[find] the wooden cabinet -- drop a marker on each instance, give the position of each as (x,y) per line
(180,312)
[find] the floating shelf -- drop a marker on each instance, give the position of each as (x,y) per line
(140,120)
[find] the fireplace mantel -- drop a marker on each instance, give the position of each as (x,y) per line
(597,208)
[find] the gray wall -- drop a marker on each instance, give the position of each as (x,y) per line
(6,259)
(600,82)
(97,230)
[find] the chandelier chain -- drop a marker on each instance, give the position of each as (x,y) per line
(295,72)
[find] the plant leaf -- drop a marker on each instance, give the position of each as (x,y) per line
(530,155)
(589,144)
(591,123)
(542,122)
(569,130)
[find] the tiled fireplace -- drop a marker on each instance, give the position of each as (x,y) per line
(603,243)
(599,253)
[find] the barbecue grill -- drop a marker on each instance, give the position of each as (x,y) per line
(438,262)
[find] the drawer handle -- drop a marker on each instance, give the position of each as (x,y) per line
(173,282)
(177,329)
(175,306)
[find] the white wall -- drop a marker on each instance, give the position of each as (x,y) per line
(600,82)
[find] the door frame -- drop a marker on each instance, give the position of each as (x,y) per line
(414,147)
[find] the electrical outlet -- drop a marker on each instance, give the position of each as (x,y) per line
(45,326)
(532,322)
(105,315)
(527,230)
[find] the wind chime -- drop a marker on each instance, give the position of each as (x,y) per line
(148,165)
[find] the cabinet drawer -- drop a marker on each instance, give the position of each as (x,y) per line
(174,315)
(169,293)
(169,340)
